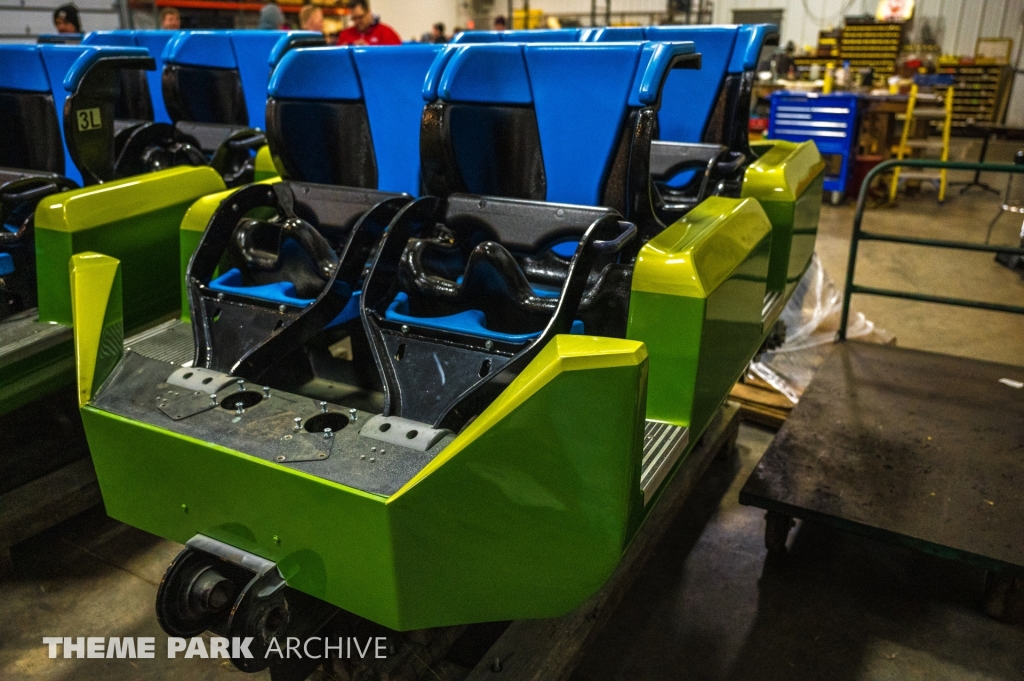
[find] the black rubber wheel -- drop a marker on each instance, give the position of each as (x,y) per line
(180,615)
(776,532)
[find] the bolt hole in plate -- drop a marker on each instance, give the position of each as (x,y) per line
(247,398)
(321,422)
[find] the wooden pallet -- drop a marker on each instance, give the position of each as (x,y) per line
(550,649)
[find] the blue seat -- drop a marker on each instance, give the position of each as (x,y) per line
(605,34)
(233,89)
(30,136)
(331,105)
(155,41)
(690,96)
(49,72)
(579,93)
(568,104)
(560,35)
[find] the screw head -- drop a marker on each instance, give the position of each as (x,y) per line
(405,328)
(213,397)
(353,414)
(220,296)
(489,344)
(184,508)
(298,422)
(266,391)
(372,459)
(280,458)
(281,308)
(277,539)
(323,407)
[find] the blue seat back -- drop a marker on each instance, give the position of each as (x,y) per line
(252,51)
(749,43)
(64,67)
(246,52)
(21,69)
(392,78)
(580,94)
(385,80)
(689,96)
(610,34)
(155,41)
(558,35)
(30,136)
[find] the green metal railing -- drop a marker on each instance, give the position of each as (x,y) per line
(861,235)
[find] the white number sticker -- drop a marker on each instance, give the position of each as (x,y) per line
(89,119)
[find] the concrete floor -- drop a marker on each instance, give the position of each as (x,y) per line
(705,606)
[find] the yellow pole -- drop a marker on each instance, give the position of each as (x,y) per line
(901,150)
(945,142)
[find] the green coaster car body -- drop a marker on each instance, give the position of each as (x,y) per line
(505,478)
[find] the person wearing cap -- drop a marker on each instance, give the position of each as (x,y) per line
(271,17)
(500,24)
(65,19)
(366,28)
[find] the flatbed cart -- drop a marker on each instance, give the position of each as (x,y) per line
(915,448)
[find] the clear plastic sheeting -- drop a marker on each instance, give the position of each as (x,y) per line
(812,320)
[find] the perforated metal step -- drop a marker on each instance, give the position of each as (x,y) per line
(168,342)
(663,444)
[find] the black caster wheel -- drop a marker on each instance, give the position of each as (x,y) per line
(193,595)
(1004,597)
(776,531)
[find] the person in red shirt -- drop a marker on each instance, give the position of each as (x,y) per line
(366,28)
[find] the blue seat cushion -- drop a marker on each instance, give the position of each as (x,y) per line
(470,322)
(6,264)
(282,292)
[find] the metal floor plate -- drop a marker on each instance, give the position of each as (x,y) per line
(137,389)
(910,446)
(23,334)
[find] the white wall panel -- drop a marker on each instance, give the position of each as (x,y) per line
(413,19)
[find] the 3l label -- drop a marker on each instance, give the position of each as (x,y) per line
(89,119)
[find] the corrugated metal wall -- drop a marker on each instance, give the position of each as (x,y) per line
(956,25)
(23,20)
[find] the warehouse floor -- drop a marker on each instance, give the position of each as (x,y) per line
(705,606)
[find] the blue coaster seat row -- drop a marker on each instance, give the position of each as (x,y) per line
(342,128)
(209,93)
(58,130)
(35,162)
(701,147)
